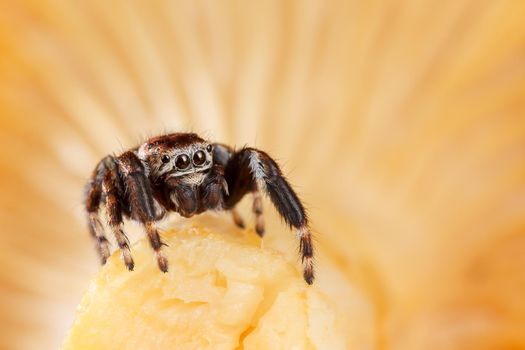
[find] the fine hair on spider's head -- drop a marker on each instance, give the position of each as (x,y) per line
(176,155)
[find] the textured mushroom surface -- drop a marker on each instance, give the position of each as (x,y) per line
(222,291)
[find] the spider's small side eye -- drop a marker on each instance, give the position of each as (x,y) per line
(165,159)
(199,158)
(209,148)
(182,161)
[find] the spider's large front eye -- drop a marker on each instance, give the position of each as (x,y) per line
(182,161)
(199,158)
(165,159)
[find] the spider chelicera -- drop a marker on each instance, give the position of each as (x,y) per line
(182,172)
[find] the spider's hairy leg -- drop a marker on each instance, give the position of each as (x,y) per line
(257,208)
(269,177)
(110,188)
(237,218)
(92,203)
(221,155)
(250,164)
(141,201)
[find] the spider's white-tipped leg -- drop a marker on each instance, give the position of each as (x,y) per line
(253,170)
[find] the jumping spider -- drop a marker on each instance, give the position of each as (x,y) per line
(182,172)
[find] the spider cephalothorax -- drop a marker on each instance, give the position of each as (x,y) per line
(183,173)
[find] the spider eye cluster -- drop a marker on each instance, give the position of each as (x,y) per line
(184,160)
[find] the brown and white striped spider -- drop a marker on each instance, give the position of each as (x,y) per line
(182,172)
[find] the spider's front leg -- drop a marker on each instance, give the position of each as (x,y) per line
(92,204)
(251,169)
(141,201)
(112,190)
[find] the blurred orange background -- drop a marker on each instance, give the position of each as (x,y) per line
(401,123)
